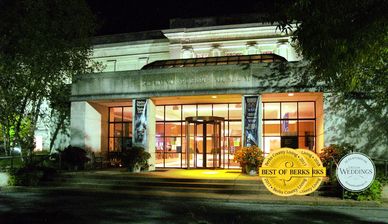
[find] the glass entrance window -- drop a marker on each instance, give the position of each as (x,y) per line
(207,136)
(289,124)
(119,132)
(171,146)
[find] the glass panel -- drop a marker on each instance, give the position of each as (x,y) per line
(189,111)
(173,144)
(191,146)
(306,109)
(127,129)
(199,151)
(199,129)
(159,152)
(306,128)
(127,114)
(172,152)
(289,127)
(289,110)
(271,144)
(116,114)
(159,144)
(159,129)
(235,128)
(159,113)
(235,144)
(220,110)
(307,142)
(226,129)
(271,110)
(205,110)
(173,113)
(235,111)
(118,130)
(117,145)
(209,129)
(172,159)
(271,128)
(173,129)
(127,143)
(111,144)
(111,130)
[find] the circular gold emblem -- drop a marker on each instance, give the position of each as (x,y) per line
(287,172)
(315,180)
(280,162)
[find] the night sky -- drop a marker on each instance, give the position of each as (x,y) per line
(124,16)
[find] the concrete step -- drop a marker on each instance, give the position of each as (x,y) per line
(130,182)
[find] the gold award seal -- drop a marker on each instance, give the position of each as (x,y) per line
(287,172)
(282,172)
(318,172)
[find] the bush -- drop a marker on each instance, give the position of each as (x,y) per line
(74,158)
(249,158)
(135,157)
(331,155)
(30,175)
(373,193)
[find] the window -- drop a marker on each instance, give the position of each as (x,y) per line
(289,124)
(171,131)
(120,131)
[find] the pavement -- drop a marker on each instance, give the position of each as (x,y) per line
(220,184)
(173,196)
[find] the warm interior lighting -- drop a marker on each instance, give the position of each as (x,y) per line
(214,97)
(290,94)
(210,172)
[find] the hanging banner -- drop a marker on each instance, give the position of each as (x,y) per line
(251,120)
(140,132)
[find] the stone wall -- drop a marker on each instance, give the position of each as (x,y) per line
(351,123)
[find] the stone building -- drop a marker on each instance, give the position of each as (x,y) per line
(193,94)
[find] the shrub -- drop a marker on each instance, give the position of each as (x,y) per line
(331,155)
(373,193)
(30,175)
(73,158)
(249,158)
(135,157)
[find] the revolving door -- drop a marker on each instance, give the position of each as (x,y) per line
(204,140)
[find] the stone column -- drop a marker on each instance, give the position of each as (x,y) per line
(85,126)
(151,132)
(283,49)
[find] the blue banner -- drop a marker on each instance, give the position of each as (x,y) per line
(140,132)
(251,120)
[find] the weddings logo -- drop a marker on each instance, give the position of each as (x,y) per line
(356,172)
(287,172)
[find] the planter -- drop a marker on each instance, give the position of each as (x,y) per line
(251,170)
(134,169)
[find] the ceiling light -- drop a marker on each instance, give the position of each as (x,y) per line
(290,94)
(214,97)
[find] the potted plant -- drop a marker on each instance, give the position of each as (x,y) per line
(135,159)
(250,159)
(73,158)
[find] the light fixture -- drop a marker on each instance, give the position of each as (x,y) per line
(214,97)
(290,94)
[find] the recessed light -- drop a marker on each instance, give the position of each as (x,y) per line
(214,97)
(290,94)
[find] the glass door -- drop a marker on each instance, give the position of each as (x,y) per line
(204,139)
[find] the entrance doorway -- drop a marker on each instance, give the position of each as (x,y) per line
(204,138)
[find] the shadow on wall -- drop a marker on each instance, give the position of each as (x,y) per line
(362,123)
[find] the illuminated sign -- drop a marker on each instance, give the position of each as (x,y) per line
(287,172)
(356,172)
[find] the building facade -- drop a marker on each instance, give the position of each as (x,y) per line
(193,96)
